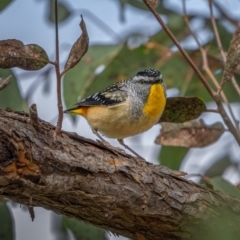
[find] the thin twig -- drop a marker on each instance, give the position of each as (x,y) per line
(215,30)
(212,110)
(4,82)
(215,82)
(214,95)
(231,20)
(206,65)
(219,44)
(219,86)
(64,71)
(187,81)
(172,37)
(57,68)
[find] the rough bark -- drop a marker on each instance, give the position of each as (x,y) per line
(80,178)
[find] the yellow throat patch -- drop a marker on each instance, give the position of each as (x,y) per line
(156,101)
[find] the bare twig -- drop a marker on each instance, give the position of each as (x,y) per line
(172,37)
(212,110)
(4,82)
(214,95)
(57,68)
(215,30)
(187,81)
(206,65)
(223,54)
(215,82)
(231,20)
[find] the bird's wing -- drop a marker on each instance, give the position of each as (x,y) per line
(110,96)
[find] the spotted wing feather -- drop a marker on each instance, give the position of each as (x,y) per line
(110,96)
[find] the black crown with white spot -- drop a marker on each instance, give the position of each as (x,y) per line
(149,73)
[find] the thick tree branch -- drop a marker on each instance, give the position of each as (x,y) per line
(79,178)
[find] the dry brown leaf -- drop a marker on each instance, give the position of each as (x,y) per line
(79,48)
(233,56)
(189,134)
(13,53)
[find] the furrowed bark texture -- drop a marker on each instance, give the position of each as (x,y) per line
(80,178)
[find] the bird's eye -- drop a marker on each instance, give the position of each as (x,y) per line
(141,81)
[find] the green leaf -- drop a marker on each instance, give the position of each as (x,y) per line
(4,4)
(218,167)
(10,96)
(180,109)
(224,186)
(63,11)
(172,157)
(6,223)
(81,80)
(125,64)
(83,231)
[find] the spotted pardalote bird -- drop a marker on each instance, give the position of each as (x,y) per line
(125,108)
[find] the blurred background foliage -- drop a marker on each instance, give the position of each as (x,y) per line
(125,56)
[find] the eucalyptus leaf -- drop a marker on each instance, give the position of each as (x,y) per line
(10,96)
(4,4)
(7,230)
(172,157)
(182,109)
(224,186)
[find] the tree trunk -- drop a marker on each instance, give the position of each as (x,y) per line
(83,179)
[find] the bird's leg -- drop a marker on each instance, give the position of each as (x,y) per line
(127,147)
(100,137)
(104,142)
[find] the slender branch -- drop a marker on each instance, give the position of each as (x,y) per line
(188,59)
(231,20)
(64,71)
(215,30)
(206,65)
(57,68)
(212,110)
(187,81)
(4,82)
(51,62)
(214,95)
(219,43)
(215,82)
